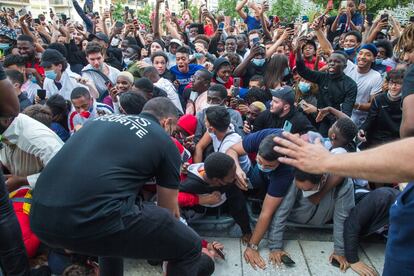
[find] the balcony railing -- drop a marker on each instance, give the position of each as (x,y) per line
(58,2)
(16,2)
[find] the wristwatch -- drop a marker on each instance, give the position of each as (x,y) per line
(253,246)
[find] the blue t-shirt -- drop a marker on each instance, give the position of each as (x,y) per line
(252,23)
(280,179)
(399,254)
(357,19)
(60,131)
(185,78)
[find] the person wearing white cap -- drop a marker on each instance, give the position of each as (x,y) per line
(172,49)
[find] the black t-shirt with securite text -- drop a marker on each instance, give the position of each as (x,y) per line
(92,182)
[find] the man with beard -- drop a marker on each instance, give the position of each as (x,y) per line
(230,44)
(282,109)
(242,45)
(25,45)
(99,203)
(335,88)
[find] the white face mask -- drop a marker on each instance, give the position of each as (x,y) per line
(312,192)
(212,134)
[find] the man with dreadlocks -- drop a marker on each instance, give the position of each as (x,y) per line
(405,49)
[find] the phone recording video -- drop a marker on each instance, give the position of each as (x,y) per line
(41,93)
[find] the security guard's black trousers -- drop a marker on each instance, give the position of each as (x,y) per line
(151,234)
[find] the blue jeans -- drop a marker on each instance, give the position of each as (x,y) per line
(13,257)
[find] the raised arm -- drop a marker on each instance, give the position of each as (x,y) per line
(286,33)
(376,28)
(334,25)
(87,20)
(239,9)
(156,24)
(170,28)
(266,33)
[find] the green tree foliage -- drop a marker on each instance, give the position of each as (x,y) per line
(373,6)
(118,13)
(287,10)
(194,10)
(144,14)
(228,8)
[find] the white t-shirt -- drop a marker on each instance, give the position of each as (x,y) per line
(169,88)
(98,80)
(368,84)
(228,142)
(357,181)
(28,146)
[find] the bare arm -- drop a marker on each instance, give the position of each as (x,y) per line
(200,147)
(170,28)
(266,32)
(376,28)
(156,25)
(281,39)
(234,152)
(168,198)
(270,205)
(323,41)
(241,69)
(239,9)
(314,158)
(336,21)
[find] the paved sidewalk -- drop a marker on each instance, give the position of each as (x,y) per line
(311,258)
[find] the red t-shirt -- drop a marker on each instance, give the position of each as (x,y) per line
(208,30)
(36,66)
(228,84)
(310,64)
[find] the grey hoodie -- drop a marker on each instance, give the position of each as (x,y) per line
(335,205)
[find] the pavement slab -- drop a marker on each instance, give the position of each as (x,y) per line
(375,253)
(311,259)
(317,257)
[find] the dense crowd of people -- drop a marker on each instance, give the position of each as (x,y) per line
(116,136)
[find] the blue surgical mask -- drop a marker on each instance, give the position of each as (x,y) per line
(198,55)
(258,61)
(51,75)
(4,46)
(378,61)
(349,51)
(33,79)
(286,72)
(263,169)
(220,80)
(304,87)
